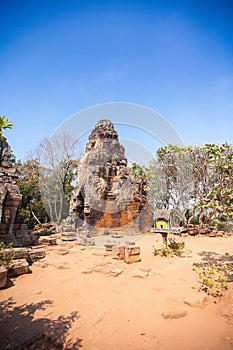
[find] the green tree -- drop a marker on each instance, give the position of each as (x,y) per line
(214,182)
(176,172)
(4,124)
(138,170)
(32,209)
(195,181)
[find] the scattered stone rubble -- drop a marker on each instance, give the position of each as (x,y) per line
(107,195)
(204,229)
(23,257)
(12,228)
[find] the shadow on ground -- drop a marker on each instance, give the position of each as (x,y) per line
(20,331)
(218,261)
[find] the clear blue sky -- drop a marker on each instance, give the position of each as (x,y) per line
(58,57)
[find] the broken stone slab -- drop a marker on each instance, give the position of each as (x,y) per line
(116,272)
(18,267)
(104,267)
(62,251)
(36,253)
(47,240)
(60,265)
(140,274)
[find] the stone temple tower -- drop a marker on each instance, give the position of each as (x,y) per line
(107,195)
(12,227)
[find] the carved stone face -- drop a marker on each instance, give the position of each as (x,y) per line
(7,216)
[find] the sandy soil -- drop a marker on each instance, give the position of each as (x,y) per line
(82,298)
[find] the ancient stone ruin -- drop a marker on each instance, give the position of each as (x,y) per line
(107,195)
(12,228)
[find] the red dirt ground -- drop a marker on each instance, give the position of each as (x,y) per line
(114,309)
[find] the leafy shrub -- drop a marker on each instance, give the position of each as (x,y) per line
(156,251)
(6,254)
(214,281)
(164,251)
(173,248)
(225,226)
(176,247)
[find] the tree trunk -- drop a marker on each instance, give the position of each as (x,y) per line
(35,217)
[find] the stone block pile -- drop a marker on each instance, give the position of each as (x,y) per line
(23,258)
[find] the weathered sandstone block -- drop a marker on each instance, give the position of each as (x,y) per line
(132,254)
(18,267)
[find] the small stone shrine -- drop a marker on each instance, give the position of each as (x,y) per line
(107,195)
(12,228)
